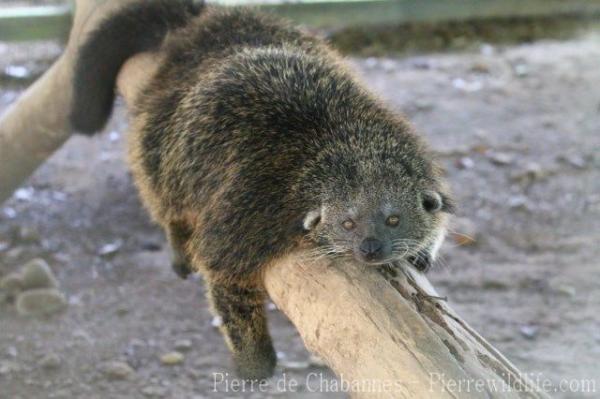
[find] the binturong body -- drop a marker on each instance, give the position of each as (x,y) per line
(253,140)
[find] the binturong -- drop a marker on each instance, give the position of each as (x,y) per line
(252,140)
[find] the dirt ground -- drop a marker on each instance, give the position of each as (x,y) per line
(518,129)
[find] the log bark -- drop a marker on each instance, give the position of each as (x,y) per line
(384,331)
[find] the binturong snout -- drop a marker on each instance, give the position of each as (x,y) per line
(371,249)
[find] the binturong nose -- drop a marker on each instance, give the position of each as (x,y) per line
(371,248)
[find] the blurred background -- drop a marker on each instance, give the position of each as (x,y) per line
(505,91)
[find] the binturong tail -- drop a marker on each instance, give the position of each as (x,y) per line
(136,28)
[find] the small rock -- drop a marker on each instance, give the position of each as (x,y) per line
(10,213)
(422,64)
(151,246)
(40,301)
(154,391)
(37,274)
(4,246)
(62,393)
(491,284)
(172,358)
(465,163)
(110,248)
(576,161)
(480,67)
(24,194)
(521,70)
(116,370)
(14,254)
(29,234)
(137,342)
(12,285)
(467,86)
(17,71)
(11,351)
(520,203)
(452,151)
(487,49)
(80,334)
(183,345)
(216,322)
(530,174)
(480,149)
(59,196)
(7,367)
(294,365)
(423,105)
(529,331)
(196,374)
(50,361)
(458,42)
(122,311)
(548,124)
(501,158)
(566,290)
(388,65)
(371,62)
(114,136)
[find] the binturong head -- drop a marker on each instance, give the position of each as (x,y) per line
(381,210)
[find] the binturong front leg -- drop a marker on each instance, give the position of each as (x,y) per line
(244,328)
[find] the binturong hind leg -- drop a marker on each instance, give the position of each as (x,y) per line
(178,234)
(244,327)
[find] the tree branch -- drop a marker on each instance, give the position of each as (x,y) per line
(389,327)
(37,124)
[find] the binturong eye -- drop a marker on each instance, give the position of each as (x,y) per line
(348,224)
(432,202)
(392,221)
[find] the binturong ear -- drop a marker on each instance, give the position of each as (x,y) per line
(312,219)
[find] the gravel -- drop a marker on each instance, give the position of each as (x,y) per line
(535,220)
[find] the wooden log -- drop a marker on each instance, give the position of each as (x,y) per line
(387,332)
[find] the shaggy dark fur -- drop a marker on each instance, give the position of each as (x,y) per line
(252,140)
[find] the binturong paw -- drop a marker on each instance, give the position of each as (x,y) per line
(256,363)
(421,261)
(182,269)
